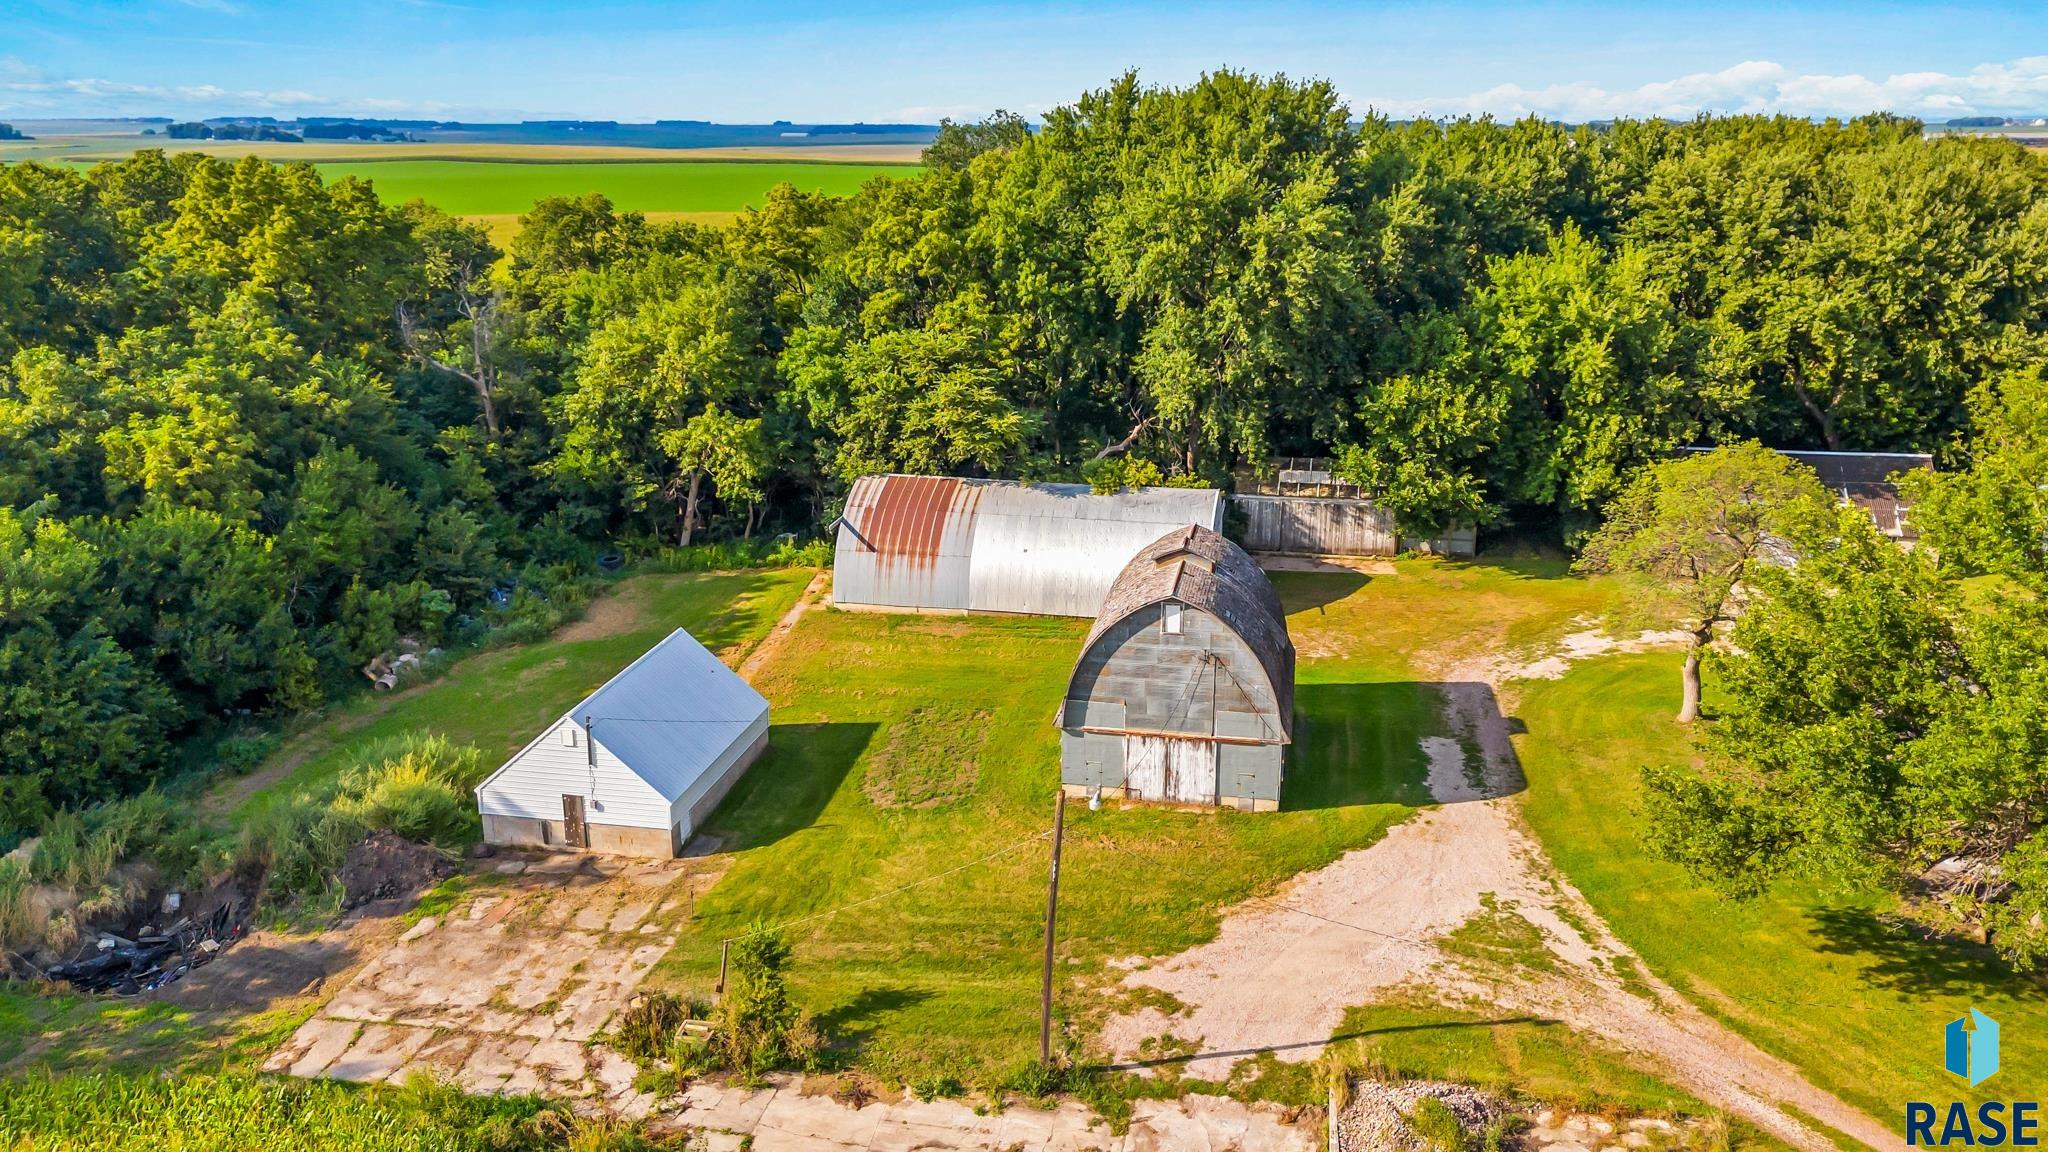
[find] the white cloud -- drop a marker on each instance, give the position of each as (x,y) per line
(24,88)
(2017,87)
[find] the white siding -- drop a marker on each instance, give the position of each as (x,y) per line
(714,774)
(532,784)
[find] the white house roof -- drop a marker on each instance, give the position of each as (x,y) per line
(670,714)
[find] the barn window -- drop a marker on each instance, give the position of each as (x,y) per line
(1169,619)
(568,735)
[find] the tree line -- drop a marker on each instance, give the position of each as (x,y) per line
(254,426)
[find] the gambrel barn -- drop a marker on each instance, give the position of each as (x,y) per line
(1184,692)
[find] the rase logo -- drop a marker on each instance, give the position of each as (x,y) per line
(1970,1051)
(1973,1047)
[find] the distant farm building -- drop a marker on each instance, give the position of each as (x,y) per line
(1868,480)
(637,766)
(1300,507)
(942,544)
(1184,692)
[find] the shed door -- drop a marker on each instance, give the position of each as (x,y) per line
(574,831)
(1177,771)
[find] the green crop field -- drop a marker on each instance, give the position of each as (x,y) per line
(505,188)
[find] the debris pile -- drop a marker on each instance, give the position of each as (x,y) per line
(1378,1115)
(384,865)
(113,963)
(385,671)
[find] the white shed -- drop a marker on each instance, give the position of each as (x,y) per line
(638,765)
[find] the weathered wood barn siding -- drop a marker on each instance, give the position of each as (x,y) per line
(1317,527)
(1143,681)
(1302,508)
(1184,690)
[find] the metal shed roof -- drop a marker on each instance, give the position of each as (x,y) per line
(951,544)
(1868,480)
(1199,568)
(669,715)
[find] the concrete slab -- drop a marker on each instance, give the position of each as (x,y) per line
(379,1051)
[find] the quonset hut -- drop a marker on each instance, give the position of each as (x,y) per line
(1184,692)
(943,544)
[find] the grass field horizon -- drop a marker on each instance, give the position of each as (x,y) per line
(495,184)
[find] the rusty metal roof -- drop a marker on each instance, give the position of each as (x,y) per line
(949,544)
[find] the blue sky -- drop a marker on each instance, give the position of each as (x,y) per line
(916,60)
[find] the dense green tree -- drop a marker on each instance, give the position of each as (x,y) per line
(288,424)
(1993,516)
(1876,733)
(958,144)
(1697,529)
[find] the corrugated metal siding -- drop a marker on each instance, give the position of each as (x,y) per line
(533,783)
(904,542)
(945,544)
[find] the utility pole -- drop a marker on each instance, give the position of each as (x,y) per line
(1052,905)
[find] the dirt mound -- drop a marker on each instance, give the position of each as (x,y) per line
(385,865)
(1381,1114)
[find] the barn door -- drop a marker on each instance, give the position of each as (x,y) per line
(1176,771)
(1145,767)
(575,832)
(1191,771)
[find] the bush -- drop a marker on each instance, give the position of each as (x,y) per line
(1037,1079)
(416,785)
(241,754)
(725,555)
(1437,1126)
(298,846)
(21,921)
(647,1029)
(757,1027)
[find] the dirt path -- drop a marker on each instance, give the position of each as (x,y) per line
(1282,970)
(779,635)
(622,608)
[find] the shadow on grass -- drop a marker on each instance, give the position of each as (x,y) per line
(852,1023)
(731,626)
(1363,744)
(786,790)
(1358,1034)
(1901,958)
(1305,591)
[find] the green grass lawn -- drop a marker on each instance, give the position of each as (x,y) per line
(496,188)
(942,979)
(499,700)
(1821,980)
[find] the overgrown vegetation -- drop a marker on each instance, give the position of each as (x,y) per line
(258,430)
(1882,729)
(754,1029)
(116,1112)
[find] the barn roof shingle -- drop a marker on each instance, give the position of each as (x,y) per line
(1202,570)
